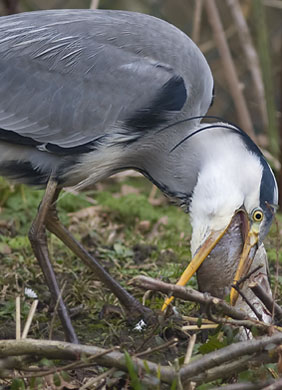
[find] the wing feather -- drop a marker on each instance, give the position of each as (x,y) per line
(61,84)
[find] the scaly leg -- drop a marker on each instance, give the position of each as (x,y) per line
(130,304)
(37,237)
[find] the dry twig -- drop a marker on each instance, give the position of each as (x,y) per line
(190,349)
(29,318)
(188,294)
(94,4)
(244,386)
(201,327)
(251,56)
(18,318)
(92,381)
(198,4)
(262,40)
(209,45)
(169,343)
(190,385)
(229,68)
(239,318)
(267,300)
(239,282)
(277,385)
(248,302)
(195,320)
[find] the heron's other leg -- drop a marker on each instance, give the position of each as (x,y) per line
(130,304)
(38,240)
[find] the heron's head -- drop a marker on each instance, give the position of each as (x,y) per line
(232,205)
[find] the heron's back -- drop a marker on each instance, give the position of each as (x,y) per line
(79,81)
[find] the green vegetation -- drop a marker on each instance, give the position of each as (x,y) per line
(131,234)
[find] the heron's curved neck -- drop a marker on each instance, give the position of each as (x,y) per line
(174,172)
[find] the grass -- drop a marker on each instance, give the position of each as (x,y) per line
(125,232)
(129,235)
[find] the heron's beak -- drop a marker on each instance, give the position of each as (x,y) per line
(246,258)
(198,259)
(250,239)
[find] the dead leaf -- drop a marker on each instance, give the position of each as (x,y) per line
(5,249)
(144,226)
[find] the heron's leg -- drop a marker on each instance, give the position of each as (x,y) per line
(38,240)
(130,304)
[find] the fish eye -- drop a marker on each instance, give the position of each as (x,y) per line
(257,215)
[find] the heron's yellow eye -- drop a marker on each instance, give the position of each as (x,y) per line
(257,215)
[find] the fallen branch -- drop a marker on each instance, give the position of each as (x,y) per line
(231,352)
(31,372)
(223,371)
(244,386)
(235,367)
(238,317)
(62,350)
(189,294)
(208,367)
(277,385)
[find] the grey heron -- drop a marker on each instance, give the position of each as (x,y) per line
(85,94)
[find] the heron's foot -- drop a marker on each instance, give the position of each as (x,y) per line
(139,313)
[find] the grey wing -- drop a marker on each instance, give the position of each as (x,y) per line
(63,89)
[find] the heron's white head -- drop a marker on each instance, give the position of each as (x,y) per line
(235,191)
(227,182)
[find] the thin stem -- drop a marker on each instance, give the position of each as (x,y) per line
(229,69)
